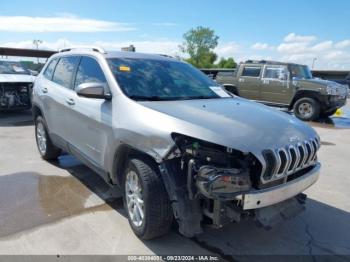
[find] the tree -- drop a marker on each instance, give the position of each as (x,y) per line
(199,44)
(226,63)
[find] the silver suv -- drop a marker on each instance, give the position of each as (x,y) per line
(177,144)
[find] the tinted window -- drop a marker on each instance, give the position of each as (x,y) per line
(252,71)
(50,68)
(89,71)
(152,79)
(64,70)
(274,72)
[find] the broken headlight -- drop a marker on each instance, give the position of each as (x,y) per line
(213,170)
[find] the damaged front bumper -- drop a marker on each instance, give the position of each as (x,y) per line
(268,207)
(15,96)
(233,184)
(270,196)
(216,185)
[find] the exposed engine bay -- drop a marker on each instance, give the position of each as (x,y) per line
(15,96)
(207,180)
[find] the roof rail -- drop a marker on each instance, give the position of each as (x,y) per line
(92,48)
(256,61)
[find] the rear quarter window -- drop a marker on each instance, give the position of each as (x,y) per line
(48,73)
(64,71)
(251,71)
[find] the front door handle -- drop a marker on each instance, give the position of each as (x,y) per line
(44,90)
(70,101)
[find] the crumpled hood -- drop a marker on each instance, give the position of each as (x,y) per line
(16,78)
(234,122)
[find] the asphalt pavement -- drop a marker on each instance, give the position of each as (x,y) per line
(64,208)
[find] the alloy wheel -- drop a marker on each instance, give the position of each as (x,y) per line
(134,199)
(41,138)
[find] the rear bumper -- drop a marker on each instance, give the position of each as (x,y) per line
(270,196)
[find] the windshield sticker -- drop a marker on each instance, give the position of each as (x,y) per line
(124,68)
(219,91)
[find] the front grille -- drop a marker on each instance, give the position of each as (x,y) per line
(293,158)
(287,160)
(270,164)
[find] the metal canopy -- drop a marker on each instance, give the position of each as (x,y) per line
(6,51)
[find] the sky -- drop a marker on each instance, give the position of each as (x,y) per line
(294,30)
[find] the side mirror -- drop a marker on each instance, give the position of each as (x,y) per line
(93,90)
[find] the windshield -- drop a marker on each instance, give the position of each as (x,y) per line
(300,71)
(8,67)
(151,79)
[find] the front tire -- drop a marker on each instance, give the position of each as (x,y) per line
(146,200)
(307,109)
(47,149)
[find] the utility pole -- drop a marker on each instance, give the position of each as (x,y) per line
(37,42)
(313,62)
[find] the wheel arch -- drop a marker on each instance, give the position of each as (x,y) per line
(36,111)
(305,93)
(121,156)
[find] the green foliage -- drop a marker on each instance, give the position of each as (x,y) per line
(199,44)
(226,63)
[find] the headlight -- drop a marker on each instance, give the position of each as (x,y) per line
(331,90)
(217,171)
(336,90)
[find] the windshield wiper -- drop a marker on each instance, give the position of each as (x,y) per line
(199,97)
(159,98)
(146,98)
(153,98)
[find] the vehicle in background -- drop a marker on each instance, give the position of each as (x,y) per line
(214,72)
(285,85)
(16,84)
(176,143)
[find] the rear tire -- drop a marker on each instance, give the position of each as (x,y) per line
(307,109)
(47,149)
(148,194)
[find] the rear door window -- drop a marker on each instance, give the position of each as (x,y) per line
(274,72)
(251,71)
(89,71)
(64,71)
(50,69)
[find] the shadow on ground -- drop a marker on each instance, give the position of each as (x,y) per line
(29,200)
(16,118)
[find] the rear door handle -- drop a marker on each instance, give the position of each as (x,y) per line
(44,90)
(70,101)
